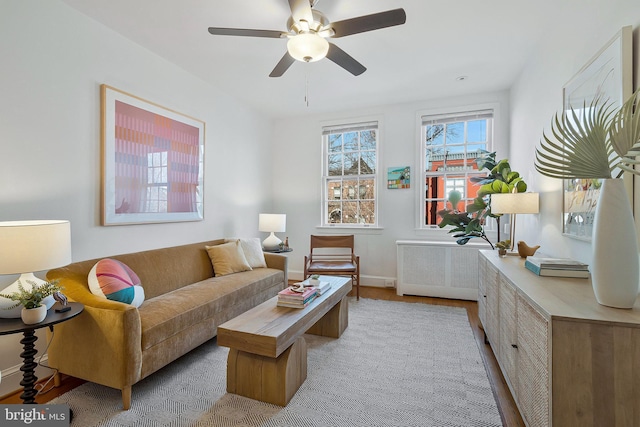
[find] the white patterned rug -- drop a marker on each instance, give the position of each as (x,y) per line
(397,364)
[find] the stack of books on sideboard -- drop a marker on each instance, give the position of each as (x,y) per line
(557,267)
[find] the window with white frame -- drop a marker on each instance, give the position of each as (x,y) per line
(349,182)
(157,182)
(450,145)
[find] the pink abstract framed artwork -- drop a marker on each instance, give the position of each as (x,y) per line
(152,162)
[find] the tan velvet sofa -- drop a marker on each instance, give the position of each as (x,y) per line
(117,345)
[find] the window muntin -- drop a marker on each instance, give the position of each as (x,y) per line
(450,145)
(350,175)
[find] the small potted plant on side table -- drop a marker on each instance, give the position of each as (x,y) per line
(314,280)
(33,310)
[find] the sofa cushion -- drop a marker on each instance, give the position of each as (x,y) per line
(166,315)
(227,258)
(114,280)
(252,249)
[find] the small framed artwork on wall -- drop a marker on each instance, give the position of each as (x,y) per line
(399,177)
(152,162)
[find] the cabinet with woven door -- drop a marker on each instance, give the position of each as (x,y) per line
(522,352)
(488,300)
(568,360)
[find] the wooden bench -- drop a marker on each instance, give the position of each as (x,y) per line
(268,354)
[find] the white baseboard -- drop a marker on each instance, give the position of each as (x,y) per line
(10,377)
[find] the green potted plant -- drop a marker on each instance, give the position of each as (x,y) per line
(470,223)
(33,310)
(314,280)
(503,246)
(600,141)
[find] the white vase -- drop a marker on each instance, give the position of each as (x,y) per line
(33,315)
(614,270)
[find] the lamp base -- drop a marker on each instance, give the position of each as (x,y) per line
(271,243)
(25,280)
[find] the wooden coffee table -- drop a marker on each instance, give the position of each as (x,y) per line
(268,354)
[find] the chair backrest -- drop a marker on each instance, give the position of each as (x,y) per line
(319,242)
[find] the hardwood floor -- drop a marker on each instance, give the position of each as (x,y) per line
(508,410)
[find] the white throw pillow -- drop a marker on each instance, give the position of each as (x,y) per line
(252,249)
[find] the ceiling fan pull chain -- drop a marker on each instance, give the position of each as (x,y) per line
(306,89)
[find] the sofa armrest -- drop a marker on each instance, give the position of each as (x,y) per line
(103,344)
(279,262)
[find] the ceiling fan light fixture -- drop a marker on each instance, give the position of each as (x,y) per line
(307,47)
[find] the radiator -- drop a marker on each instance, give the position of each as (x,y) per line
(438,269)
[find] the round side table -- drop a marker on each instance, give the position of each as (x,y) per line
(13,326)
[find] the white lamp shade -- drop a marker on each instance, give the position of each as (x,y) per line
(515,203)
(307,47)
(276,223)
(28,246)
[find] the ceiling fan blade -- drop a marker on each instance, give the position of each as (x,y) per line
(246,32)
(301,10)
(371,22)
(283,65)
(345,60)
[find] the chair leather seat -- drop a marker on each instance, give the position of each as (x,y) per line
(319,266)
(333,255)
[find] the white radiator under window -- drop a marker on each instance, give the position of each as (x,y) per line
(438,269)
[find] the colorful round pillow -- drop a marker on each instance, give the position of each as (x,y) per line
(113,280)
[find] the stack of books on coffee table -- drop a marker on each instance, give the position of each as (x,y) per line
(296,297)
(557,267)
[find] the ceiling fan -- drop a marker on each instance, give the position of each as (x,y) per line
(308,33)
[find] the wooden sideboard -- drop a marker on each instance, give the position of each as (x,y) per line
(567,360)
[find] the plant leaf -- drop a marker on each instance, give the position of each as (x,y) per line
(579,146)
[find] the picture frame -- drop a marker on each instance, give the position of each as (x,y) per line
(608,75)
(399,177)
(152,162)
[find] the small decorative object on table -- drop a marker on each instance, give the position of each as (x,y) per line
(33,311)
(503,246)
(314,280)
(525,250)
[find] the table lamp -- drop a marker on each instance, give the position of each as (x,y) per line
(28,246)
(272,223)
(514,203)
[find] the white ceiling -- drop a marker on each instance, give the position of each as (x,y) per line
(486,41)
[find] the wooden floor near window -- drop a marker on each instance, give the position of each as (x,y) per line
(508,410)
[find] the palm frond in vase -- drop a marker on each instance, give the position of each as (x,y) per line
(593,142)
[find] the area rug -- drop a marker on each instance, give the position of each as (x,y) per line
(397,364)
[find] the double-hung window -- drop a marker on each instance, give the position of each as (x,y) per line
(157,182)
(350,165)
(450,145)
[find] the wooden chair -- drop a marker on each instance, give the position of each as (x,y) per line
(333,256)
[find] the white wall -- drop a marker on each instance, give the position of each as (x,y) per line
(537,95)
(297,186)
(53,62)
